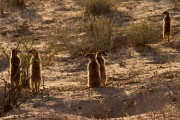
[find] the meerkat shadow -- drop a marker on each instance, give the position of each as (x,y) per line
(173,45)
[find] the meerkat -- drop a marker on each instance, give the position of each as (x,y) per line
(15,63)
(93,68)
(166,26)
(35,70)
(101,61)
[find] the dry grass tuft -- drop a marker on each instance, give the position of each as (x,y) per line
(141,34)
(97,7)
(99,32)
(19,2)
(8,4)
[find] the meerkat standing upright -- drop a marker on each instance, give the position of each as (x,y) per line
(35,70)
(94,77)
(15,63)
(166,26)
(101,61)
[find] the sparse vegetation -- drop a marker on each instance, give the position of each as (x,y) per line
(11,95)
(99,32)
(6,5)
(20,2)
(142,73)
(141,34)
(2,6)
(14,96)
(97,35)
(97,7)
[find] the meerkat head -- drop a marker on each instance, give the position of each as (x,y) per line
(91,56)
(165,13)
(33,52)
(15,52)
(101,53)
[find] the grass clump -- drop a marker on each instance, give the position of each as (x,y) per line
(97,7)
(20,2)
(141,34)
(6,5)
(99,32)
(94,35)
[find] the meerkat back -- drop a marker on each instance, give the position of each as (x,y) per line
(15,63)
(93,68)
(101,61)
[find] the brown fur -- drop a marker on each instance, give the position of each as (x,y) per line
(166,26)
(15,63)
(94,78)
(35,70)
(101,61)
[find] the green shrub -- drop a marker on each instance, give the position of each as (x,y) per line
(141,34)
(97,7)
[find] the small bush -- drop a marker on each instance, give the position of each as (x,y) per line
(97,7)
(94,35)
(6,5)
(20,2)
(99,32)
(2,6)
(141,34)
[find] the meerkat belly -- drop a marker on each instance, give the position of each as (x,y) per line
(15,71)
(36,72)
(36,75)
(167,28)
(15,63)
(167,24)
(15,68)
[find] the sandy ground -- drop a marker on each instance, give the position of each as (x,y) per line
(143,83)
